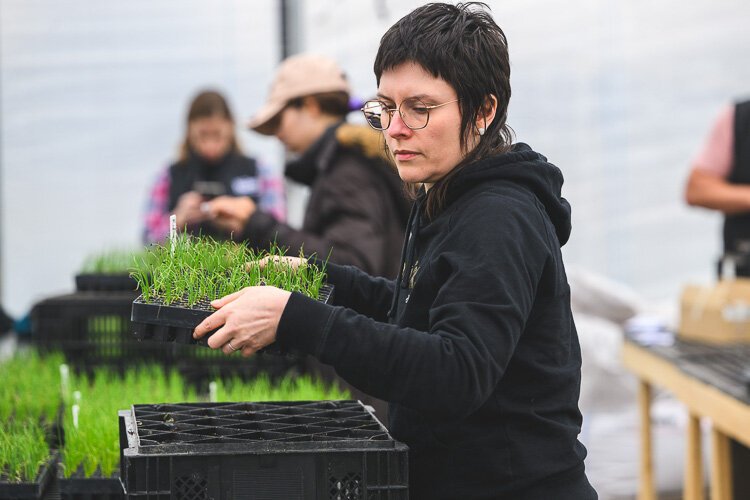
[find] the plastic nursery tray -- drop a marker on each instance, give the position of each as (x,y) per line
(45,486)
(175,323)
(726,367)
(79,487)
(91,329)
(290,450)
(105,283)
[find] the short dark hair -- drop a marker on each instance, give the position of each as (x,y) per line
(462,45)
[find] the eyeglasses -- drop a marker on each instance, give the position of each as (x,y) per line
(414,113)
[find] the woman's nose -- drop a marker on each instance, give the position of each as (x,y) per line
(397,127)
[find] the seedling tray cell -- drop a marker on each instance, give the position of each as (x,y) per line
(304,449)
(175,323)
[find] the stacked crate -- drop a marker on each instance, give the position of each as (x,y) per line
(294,450)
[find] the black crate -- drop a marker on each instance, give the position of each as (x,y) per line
(105,283)
(175,323)
(91,328)
(45,487)
(291,450)
(78,487)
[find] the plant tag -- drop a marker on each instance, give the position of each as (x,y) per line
(76,409)
(64,380)
(212,392)
(172,231)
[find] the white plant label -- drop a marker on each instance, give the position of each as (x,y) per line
(172,231)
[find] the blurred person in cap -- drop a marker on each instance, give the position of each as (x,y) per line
(357,210)
(210,163)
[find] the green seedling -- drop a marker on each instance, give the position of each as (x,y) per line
(115,261)
(23,449)
(30,388)
(195,271)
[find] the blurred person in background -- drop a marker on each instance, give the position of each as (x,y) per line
(210,164)
(474,344)
(357,209)
(720,178)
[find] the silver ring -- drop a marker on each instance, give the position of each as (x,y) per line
(231,346)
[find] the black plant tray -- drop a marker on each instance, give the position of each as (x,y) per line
(284,450)
(105,283)
(79,487)
(45,486)
(91,329)
(174,323)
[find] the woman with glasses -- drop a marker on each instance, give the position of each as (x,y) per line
(473,344)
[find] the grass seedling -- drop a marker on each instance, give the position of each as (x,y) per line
(94,443)
(30,387)
(198,270)
(115,261)
(23,449)
(289,388)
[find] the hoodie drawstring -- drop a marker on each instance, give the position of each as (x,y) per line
(407,256)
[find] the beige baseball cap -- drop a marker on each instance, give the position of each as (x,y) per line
(298,76)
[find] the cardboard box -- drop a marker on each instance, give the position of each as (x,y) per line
(716,314)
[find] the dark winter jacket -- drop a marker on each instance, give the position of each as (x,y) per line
(357,211)
(479,357)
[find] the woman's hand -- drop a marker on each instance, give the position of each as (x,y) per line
(231,213)
(293,262)
(247,320)
(188,209)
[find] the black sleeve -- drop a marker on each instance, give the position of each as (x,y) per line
(354,289)
(352,213)
(487,290)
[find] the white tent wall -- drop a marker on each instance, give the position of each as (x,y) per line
(619,95)
(94,98)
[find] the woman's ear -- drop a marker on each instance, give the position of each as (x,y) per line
(487,114)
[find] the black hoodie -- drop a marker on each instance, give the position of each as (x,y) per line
(474,344)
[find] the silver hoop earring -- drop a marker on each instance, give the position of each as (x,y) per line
(481,130)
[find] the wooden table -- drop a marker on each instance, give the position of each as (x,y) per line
(730,418)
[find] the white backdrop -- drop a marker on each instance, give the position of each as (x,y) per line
(619,95)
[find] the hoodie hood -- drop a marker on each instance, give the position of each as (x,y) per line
(529,170)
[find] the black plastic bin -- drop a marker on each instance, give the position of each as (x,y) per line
(291,450)
(78,487)
(106,283)
(45,487)
(91,329)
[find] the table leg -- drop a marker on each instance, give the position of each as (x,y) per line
(646,490)
(721,466)
(693,481)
